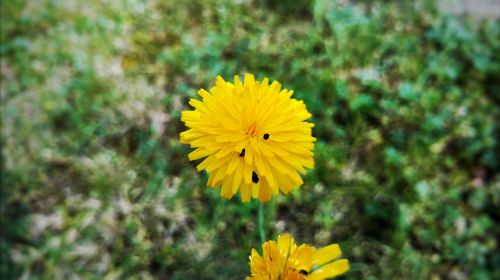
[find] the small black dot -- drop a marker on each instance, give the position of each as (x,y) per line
(242,154)
(303,272)
(255,177)
(266,136)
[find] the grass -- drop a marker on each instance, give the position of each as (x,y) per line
(96,185)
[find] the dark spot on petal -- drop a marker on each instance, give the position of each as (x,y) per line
(303,272)
(255,177)
(266,136)
(242,154)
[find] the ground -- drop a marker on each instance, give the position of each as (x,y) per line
(95,183)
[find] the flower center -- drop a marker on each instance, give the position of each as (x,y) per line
(252,129)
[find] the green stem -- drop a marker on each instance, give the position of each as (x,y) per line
(262,231)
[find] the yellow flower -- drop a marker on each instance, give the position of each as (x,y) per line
(254,137)
(284,260)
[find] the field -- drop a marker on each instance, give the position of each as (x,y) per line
(95,184)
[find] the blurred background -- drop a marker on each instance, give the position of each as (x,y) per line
(405,97)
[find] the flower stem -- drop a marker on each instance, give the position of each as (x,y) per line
(262,231)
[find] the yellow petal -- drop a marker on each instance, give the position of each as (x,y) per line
(220,174)
(245,192)
(264,192)
(327,254)
(330,270)
(286,244)
(233,164)
(227,186)
(247,173)
(238,176)
(198,153)
(249,80)
(204,163)
(255,190)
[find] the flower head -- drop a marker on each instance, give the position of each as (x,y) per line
(283,259)
(253,135)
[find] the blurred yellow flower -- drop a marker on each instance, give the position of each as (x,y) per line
(284,260)
(254,137)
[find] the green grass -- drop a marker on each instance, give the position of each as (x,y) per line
(95,183)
